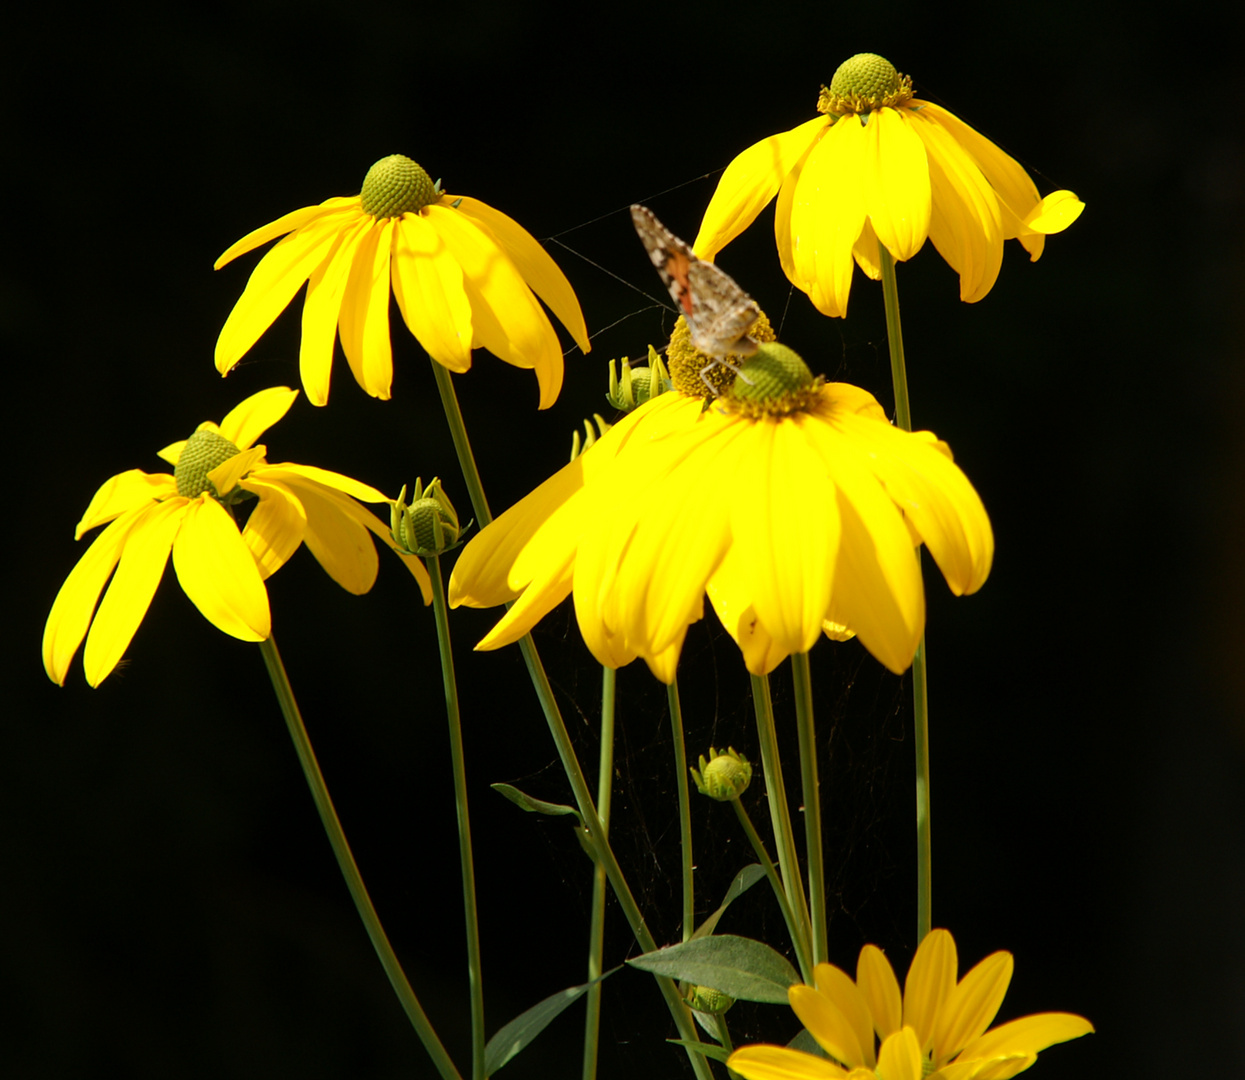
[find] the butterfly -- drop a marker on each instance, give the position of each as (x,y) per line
(719,314)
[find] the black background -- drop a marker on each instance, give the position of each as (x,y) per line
(170,906)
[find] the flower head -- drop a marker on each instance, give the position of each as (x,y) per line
(463,275)
(935,1029)
(882,166)
(786,510)
(220,568)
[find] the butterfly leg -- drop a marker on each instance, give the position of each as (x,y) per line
(721,361)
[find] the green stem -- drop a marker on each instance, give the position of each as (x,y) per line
(458,761)
(685,807)
(596,933)
(562,741)
(349,869)
(920,688)
(812,805)
(799,939)
(779,809)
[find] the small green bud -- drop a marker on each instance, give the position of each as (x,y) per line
(428,525)
(725,776)
(591,435)
(707,1000)
(637,385)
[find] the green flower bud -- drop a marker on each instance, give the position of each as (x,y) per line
(707,1000)
(637,385)
(725,776)
(428,525)
(590,437)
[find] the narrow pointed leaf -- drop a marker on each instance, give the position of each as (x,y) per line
(709,1050)
(520,1032)
(738,966)
(533,806)
(744,880)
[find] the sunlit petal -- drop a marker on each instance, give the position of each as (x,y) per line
(130,490)
(326,294)
(834,1033)
(217,571)
(972,1006)
(276,526)
(248,420)
(877,982)
(1029,1034)
(838,987)
(763,1062)
(897,188)
(900,1056)
(931,978)
(428,284)
(364,319)
(295,219)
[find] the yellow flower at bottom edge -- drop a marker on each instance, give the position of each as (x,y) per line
(784,520)
(882,166)
(463,275)
(221,569)
(935,1029)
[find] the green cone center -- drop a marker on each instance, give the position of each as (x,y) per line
(864,83)
(204,450)
(396,185)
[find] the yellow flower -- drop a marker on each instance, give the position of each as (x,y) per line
(220,569)
(936,1028)
(882,165)
(784,520)
(463,274)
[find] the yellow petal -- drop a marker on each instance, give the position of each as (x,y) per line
(295,219)
(75,602)
(295,475)
(972,1005)
(129,594)
(900,1057)
(763,1062)
(827,1024)
(749,182)
(1027,1035)
(828,211)
(364,320)
(506,317)
(326,291)
(428,283)
(965,223)
(1054,213)
(897,187)
(130,490)
(541,597)
(272,285)
(218,572)
(226,475)
(173,452)
(276,526)
(931,978)
(839,988)
(538,269)
(336,535)
(247,421)
(877,982)
(730,591)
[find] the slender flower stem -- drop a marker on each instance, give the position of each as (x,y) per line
(779,811)
(349,869)
(920,675)
(474,970)
(596,933)
(562,741)
(812,805)
(799,939)
(685,807)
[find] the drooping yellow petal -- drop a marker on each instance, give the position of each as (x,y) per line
(173,452)
(749,182)
(538,269)
(428,284)
(1054,213)
(364,319)
(75,602)
(828,211)
(877,982)
(506,317)
(972,1005)
(217,571)
(730,591)
(326,292)
(248,420)
(295,219)
(276,526)
(272,285)
(839,988)
(129,593)
(897,187)
(763,1062)
(1029,1034)
(336,536)
(534,603)
(834,1033)
(129,490)
(296,475)
(931,978)
(226,475)
(900,1057)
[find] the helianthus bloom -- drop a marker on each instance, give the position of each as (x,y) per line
(787,508)
(935,1029)
(221,569)
(463,274)
(882,166)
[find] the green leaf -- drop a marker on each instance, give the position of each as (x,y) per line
(517,1034)
(533,806)
(747,970)
(744,880)
(709,1050)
